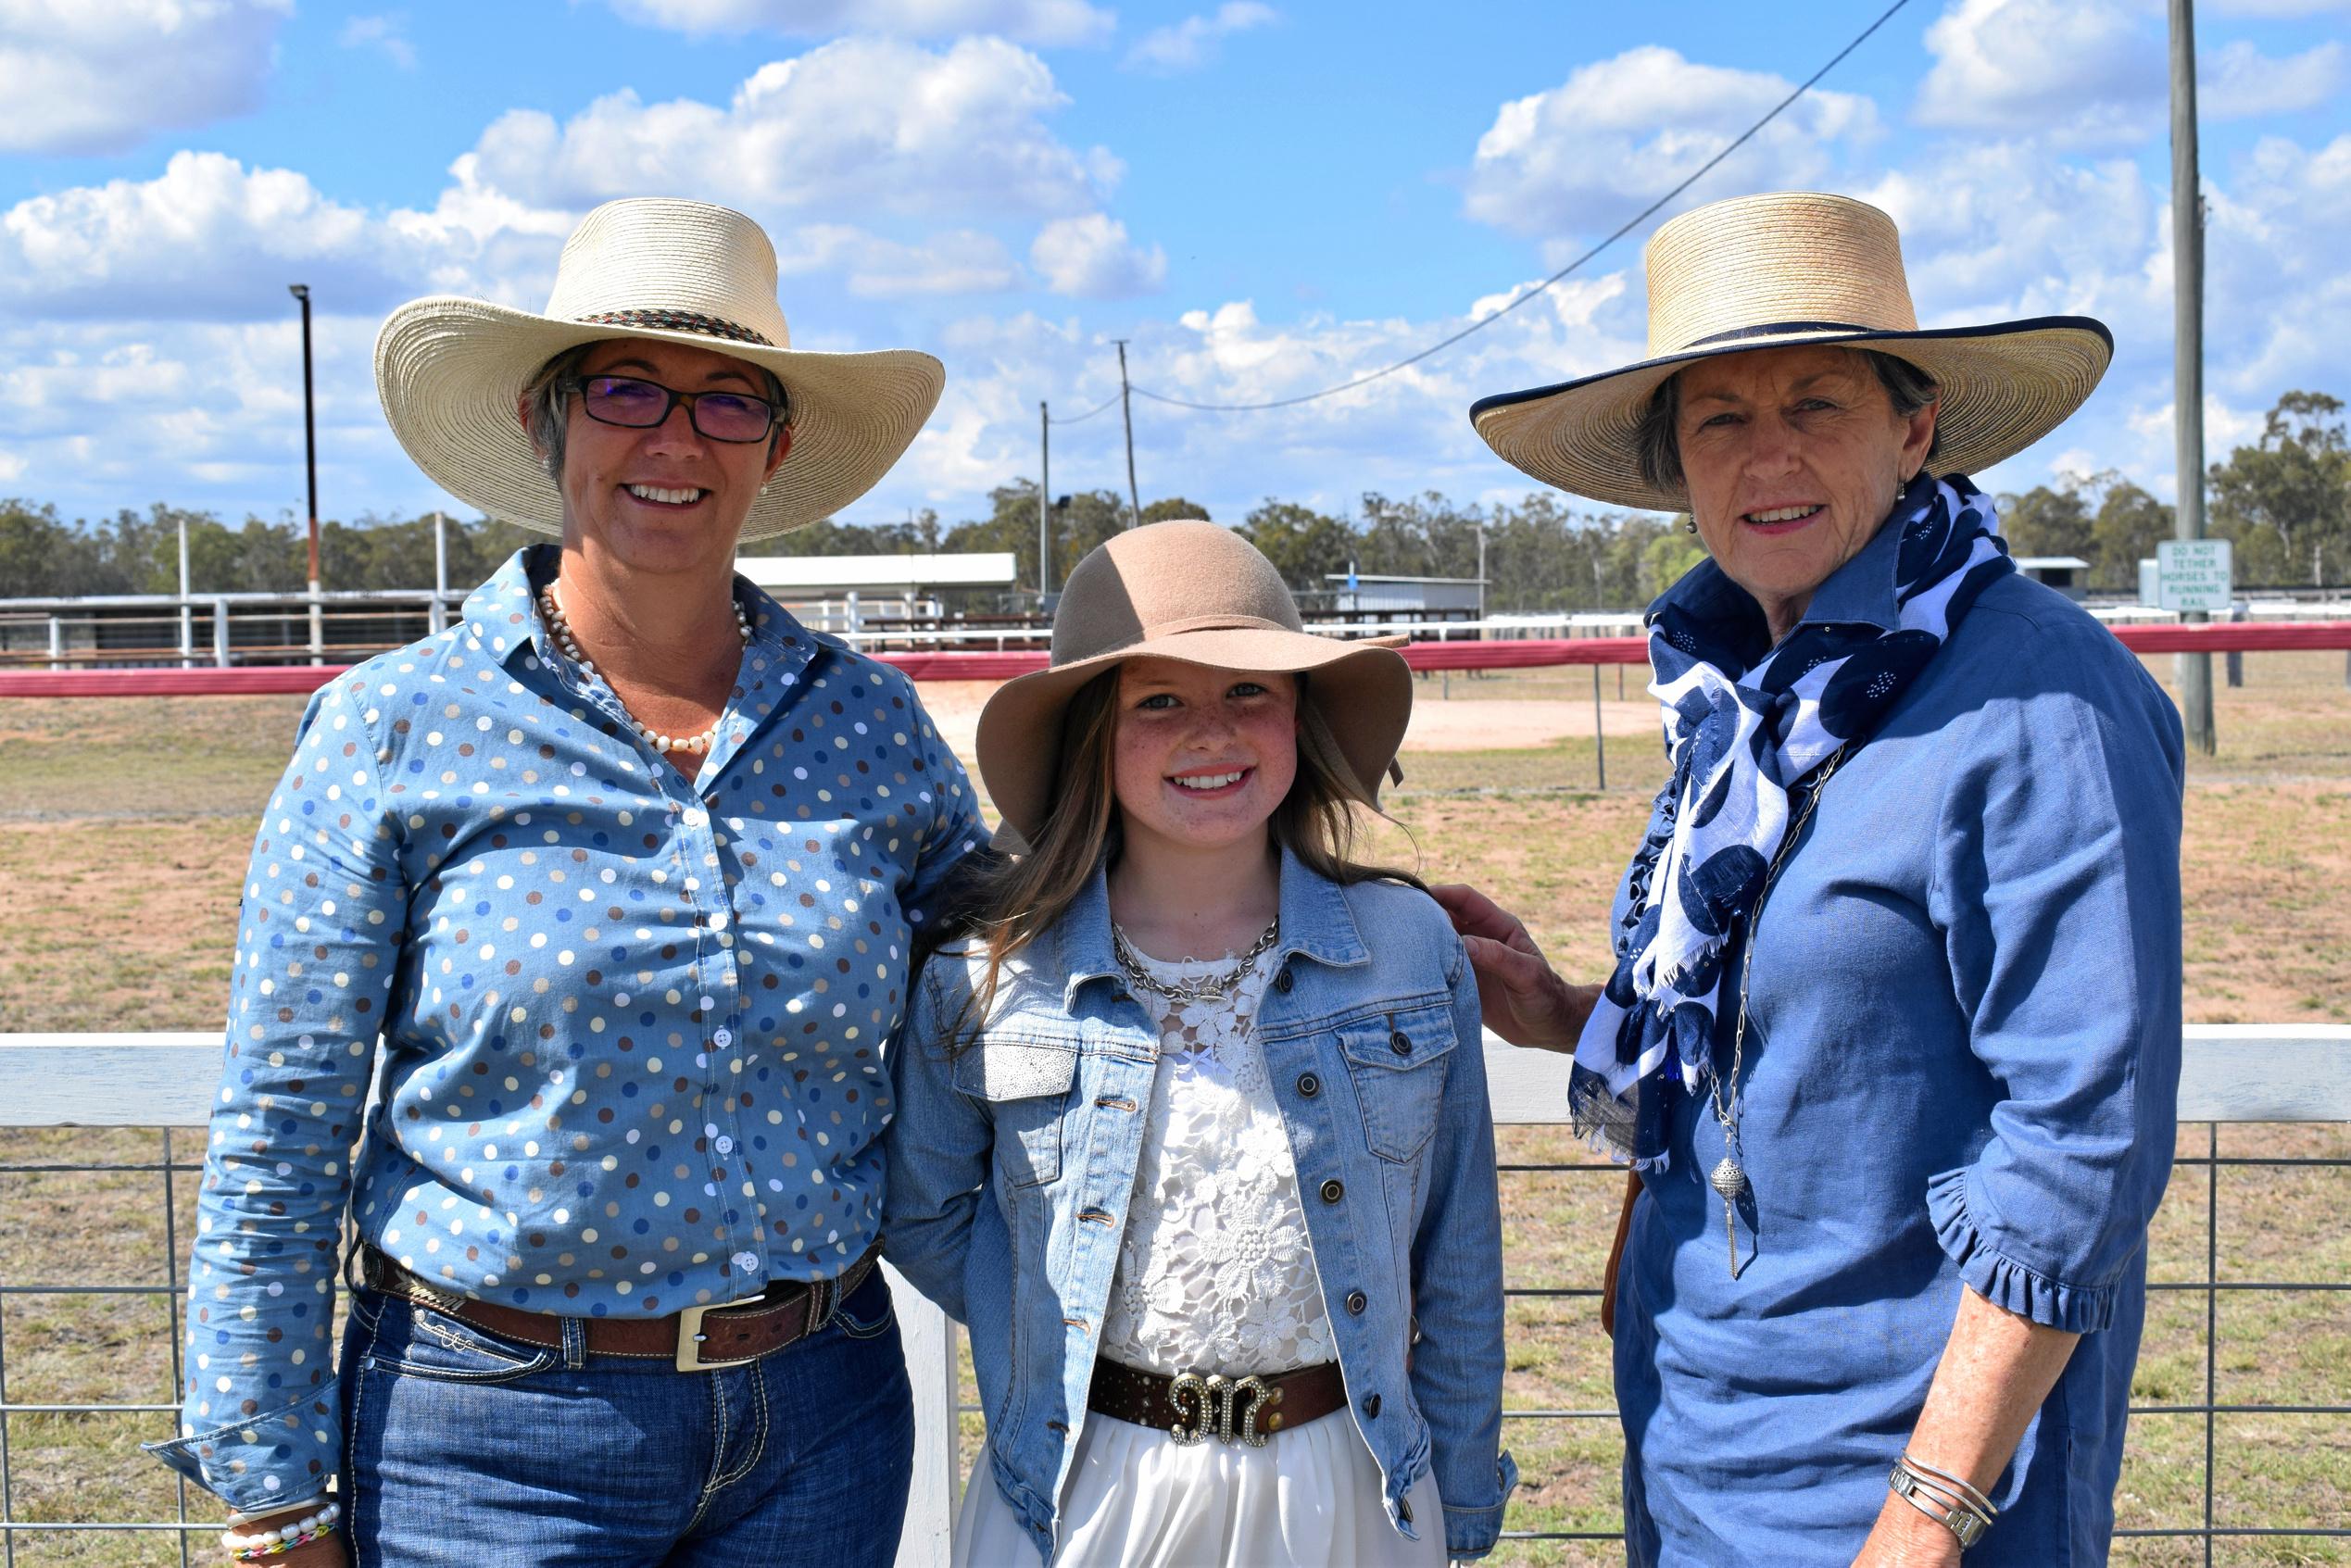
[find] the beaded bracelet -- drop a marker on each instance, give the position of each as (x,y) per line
(274,1543)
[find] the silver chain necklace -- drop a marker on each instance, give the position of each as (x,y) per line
(1727,1178)
(1213,988)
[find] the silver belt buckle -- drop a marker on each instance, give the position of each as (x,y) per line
(1214,1399)
(690,1337)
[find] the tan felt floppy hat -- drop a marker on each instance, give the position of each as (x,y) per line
(1778,270)
(1199,593)
(450,369)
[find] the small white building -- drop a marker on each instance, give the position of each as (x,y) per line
(1403,598)
(837,593)
(2068,574)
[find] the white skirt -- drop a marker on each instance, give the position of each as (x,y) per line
(1136,1498)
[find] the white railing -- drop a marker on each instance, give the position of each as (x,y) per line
(2231,1073)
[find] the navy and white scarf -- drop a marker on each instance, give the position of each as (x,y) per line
(1740,739)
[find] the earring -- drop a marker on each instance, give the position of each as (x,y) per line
(1690,525)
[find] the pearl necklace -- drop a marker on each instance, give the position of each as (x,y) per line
(560,624)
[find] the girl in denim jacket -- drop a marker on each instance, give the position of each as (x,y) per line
(1224,1231)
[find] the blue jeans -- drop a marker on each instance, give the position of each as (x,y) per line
(466,1448)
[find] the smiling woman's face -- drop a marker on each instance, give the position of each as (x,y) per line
(1794,456)
(664,498)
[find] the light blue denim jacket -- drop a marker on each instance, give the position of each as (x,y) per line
(1011,1160)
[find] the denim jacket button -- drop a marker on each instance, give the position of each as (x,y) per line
(1400,1043)
(1309,1085)
(1333,1190)
(1357,1302)
(1371,1408)
(1282,981)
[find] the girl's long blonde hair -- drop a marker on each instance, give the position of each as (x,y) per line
(1009,902)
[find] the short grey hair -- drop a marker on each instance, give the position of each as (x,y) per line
(1658,442)
(546,404)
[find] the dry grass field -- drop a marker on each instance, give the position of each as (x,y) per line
(124,826)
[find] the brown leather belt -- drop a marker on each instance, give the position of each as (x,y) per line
(1192,1407)
(697,1339)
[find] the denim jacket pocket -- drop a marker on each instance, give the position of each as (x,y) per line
(1398,1061)
(1026,1086)
(418,1341)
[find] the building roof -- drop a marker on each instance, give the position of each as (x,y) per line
(2052,563)
(891,575)
(1376,577)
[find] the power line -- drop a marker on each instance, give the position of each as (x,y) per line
(1081,419)
(1627,227)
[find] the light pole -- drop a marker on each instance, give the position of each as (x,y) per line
(310,469)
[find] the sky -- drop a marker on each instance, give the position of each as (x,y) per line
(1262,197)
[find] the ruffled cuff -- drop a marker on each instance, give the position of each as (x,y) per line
(2000,1279)
(1472,1532)
(255,1466)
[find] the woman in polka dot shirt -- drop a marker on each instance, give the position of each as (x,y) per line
(585,921)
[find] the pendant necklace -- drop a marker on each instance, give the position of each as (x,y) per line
(1729,1178)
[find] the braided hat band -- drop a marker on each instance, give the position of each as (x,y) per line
(680,321)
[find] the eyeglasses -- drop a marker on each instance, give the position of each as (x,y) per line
(641,405)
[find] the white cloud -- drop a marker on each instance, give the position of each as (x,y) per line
(387,35)
(1030,21)
(2079,72)
(1091,257)
(90,78)
(1582,156)
(207,239)
(2238,82)
(2287,9)
(1192,43)
(872,267)
(864,124)
(2096,73)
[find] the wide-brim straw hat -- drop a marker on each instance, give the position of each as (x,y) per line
(450,370)
(1199,593)
(1781,270)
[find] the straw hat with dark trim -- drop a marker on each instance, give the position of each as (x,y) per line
(1775,271)
(1199,593)
(450,370)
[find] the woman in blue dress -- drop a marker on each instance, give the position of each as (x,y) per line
(1891,1040)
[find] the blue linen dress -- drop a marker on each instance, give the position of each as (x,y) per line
(1961,1065)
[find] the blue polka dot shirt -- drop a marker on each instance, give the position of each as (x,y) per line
(614,1035)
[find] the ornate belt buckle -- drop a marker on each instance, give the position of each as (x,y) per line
(1253,1388)
(1210,1404)
(1190,1426)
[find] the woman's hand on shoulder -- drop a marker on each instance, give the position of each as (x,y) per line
(1520,996)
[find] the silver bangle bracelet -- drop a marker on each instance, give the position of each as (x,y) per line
(1958,1508)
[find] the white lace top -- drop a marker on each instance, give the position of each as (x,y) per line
(1216,1272)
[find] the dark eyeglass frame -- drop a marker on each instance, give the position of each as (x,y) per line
(777,413)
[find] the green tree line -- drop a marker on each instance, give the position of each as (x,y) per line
(2284,501)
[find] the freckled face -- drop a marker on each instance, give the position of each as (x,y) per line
(1203,756)
(1794,456)
(666,498)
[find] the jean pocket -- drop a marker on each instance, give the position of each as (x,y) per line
(1026,1087)
(869,1310)
(1398,1061)
(420,1342)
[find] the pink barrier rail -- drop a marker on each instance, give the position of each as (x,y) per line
(1521,653)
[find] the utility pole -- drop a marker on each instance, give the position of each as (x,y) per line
(2187,400)
(1044,502)
(1126,408)
(1481,585)
(310,470)
(187,613)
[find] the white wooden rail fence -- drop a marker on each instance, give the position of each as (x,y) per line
(2231,1072)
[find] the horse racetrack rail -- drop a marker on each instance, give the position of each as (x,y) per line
(2234,1073)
